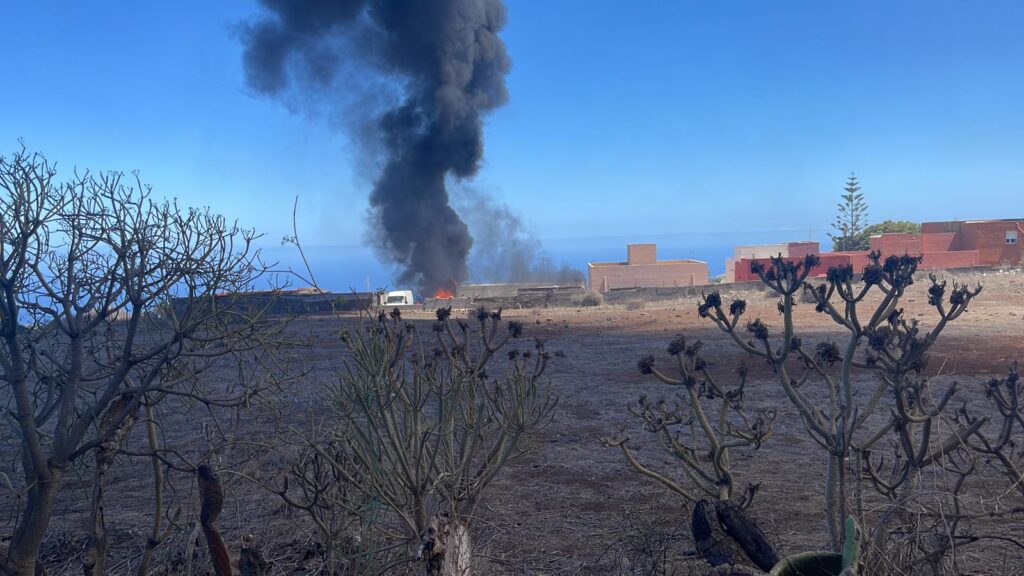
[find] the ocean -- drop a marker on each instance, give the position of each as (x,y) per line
(353,267)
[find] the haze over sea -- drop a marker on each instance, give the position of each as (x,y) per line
(343,268)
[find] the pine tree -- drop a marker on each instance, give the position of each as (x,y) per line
(851,219)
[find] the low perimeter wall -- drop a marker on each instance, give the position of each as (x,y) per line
(314,304)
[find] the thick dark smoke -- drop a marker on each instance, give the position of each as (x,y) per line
(448,66)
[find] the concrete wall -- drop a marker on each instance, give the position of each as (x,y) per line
(604,277)
(510,290)
(486,290)
(286,303)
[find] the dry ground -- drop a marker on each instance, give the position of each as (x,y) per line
(572,506)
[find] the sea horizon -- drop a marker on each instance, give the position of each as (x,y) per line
(348,267)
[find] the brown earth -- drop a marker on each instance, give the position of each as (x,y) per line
(572,506)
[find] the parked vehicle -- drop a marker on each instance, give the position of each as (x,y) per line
(397,298)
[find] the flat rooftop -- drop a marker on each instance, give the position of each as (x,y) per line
(657,263)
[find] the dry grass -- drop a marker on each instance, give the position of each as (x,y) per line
(571,506)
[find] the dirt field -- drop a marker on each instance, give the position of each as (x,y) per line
(572,506)
(569,508)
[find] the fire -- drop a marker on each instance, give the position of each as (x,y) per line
(444,293)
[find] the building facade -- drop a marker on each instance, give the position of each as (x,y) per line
(997,241)
(942,245)
(963,243)
(642,269)
(765,251)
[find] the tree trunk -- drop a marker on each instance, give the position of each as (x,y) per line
(158,493)
(446,548)
(28,536)
(748,535)
(711,542)
(212,499)
(831,503)
(94,560)
(724,536)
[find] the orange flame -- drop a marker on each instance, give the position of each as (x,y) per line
(444,294)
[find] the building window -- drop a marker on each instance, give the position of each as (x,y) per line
(1011,237)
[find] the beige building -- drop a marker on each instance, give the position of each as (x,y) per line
(642,269)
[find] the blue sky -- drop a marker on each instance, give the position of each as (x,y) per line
(625,118)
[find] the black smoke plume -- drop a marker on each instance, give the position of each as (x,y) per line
(446,67)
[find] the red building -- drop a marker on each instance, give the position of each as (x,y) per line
(997,241)
(943,245)
(827,260)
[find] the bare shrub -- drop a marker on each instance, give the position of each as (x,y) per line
(699,430)
(636,304)
(647,548)
(421,427)
(902,477)
(338,510)
(592,298)
(1005,444)
(806,297)
(88,332)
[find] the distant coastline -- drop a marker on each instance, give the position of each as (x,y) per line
(341,268)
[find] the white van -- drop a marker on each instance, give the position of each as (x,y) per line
(399,298)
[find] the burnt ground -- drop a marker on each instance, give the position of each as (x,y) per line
(570,506)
